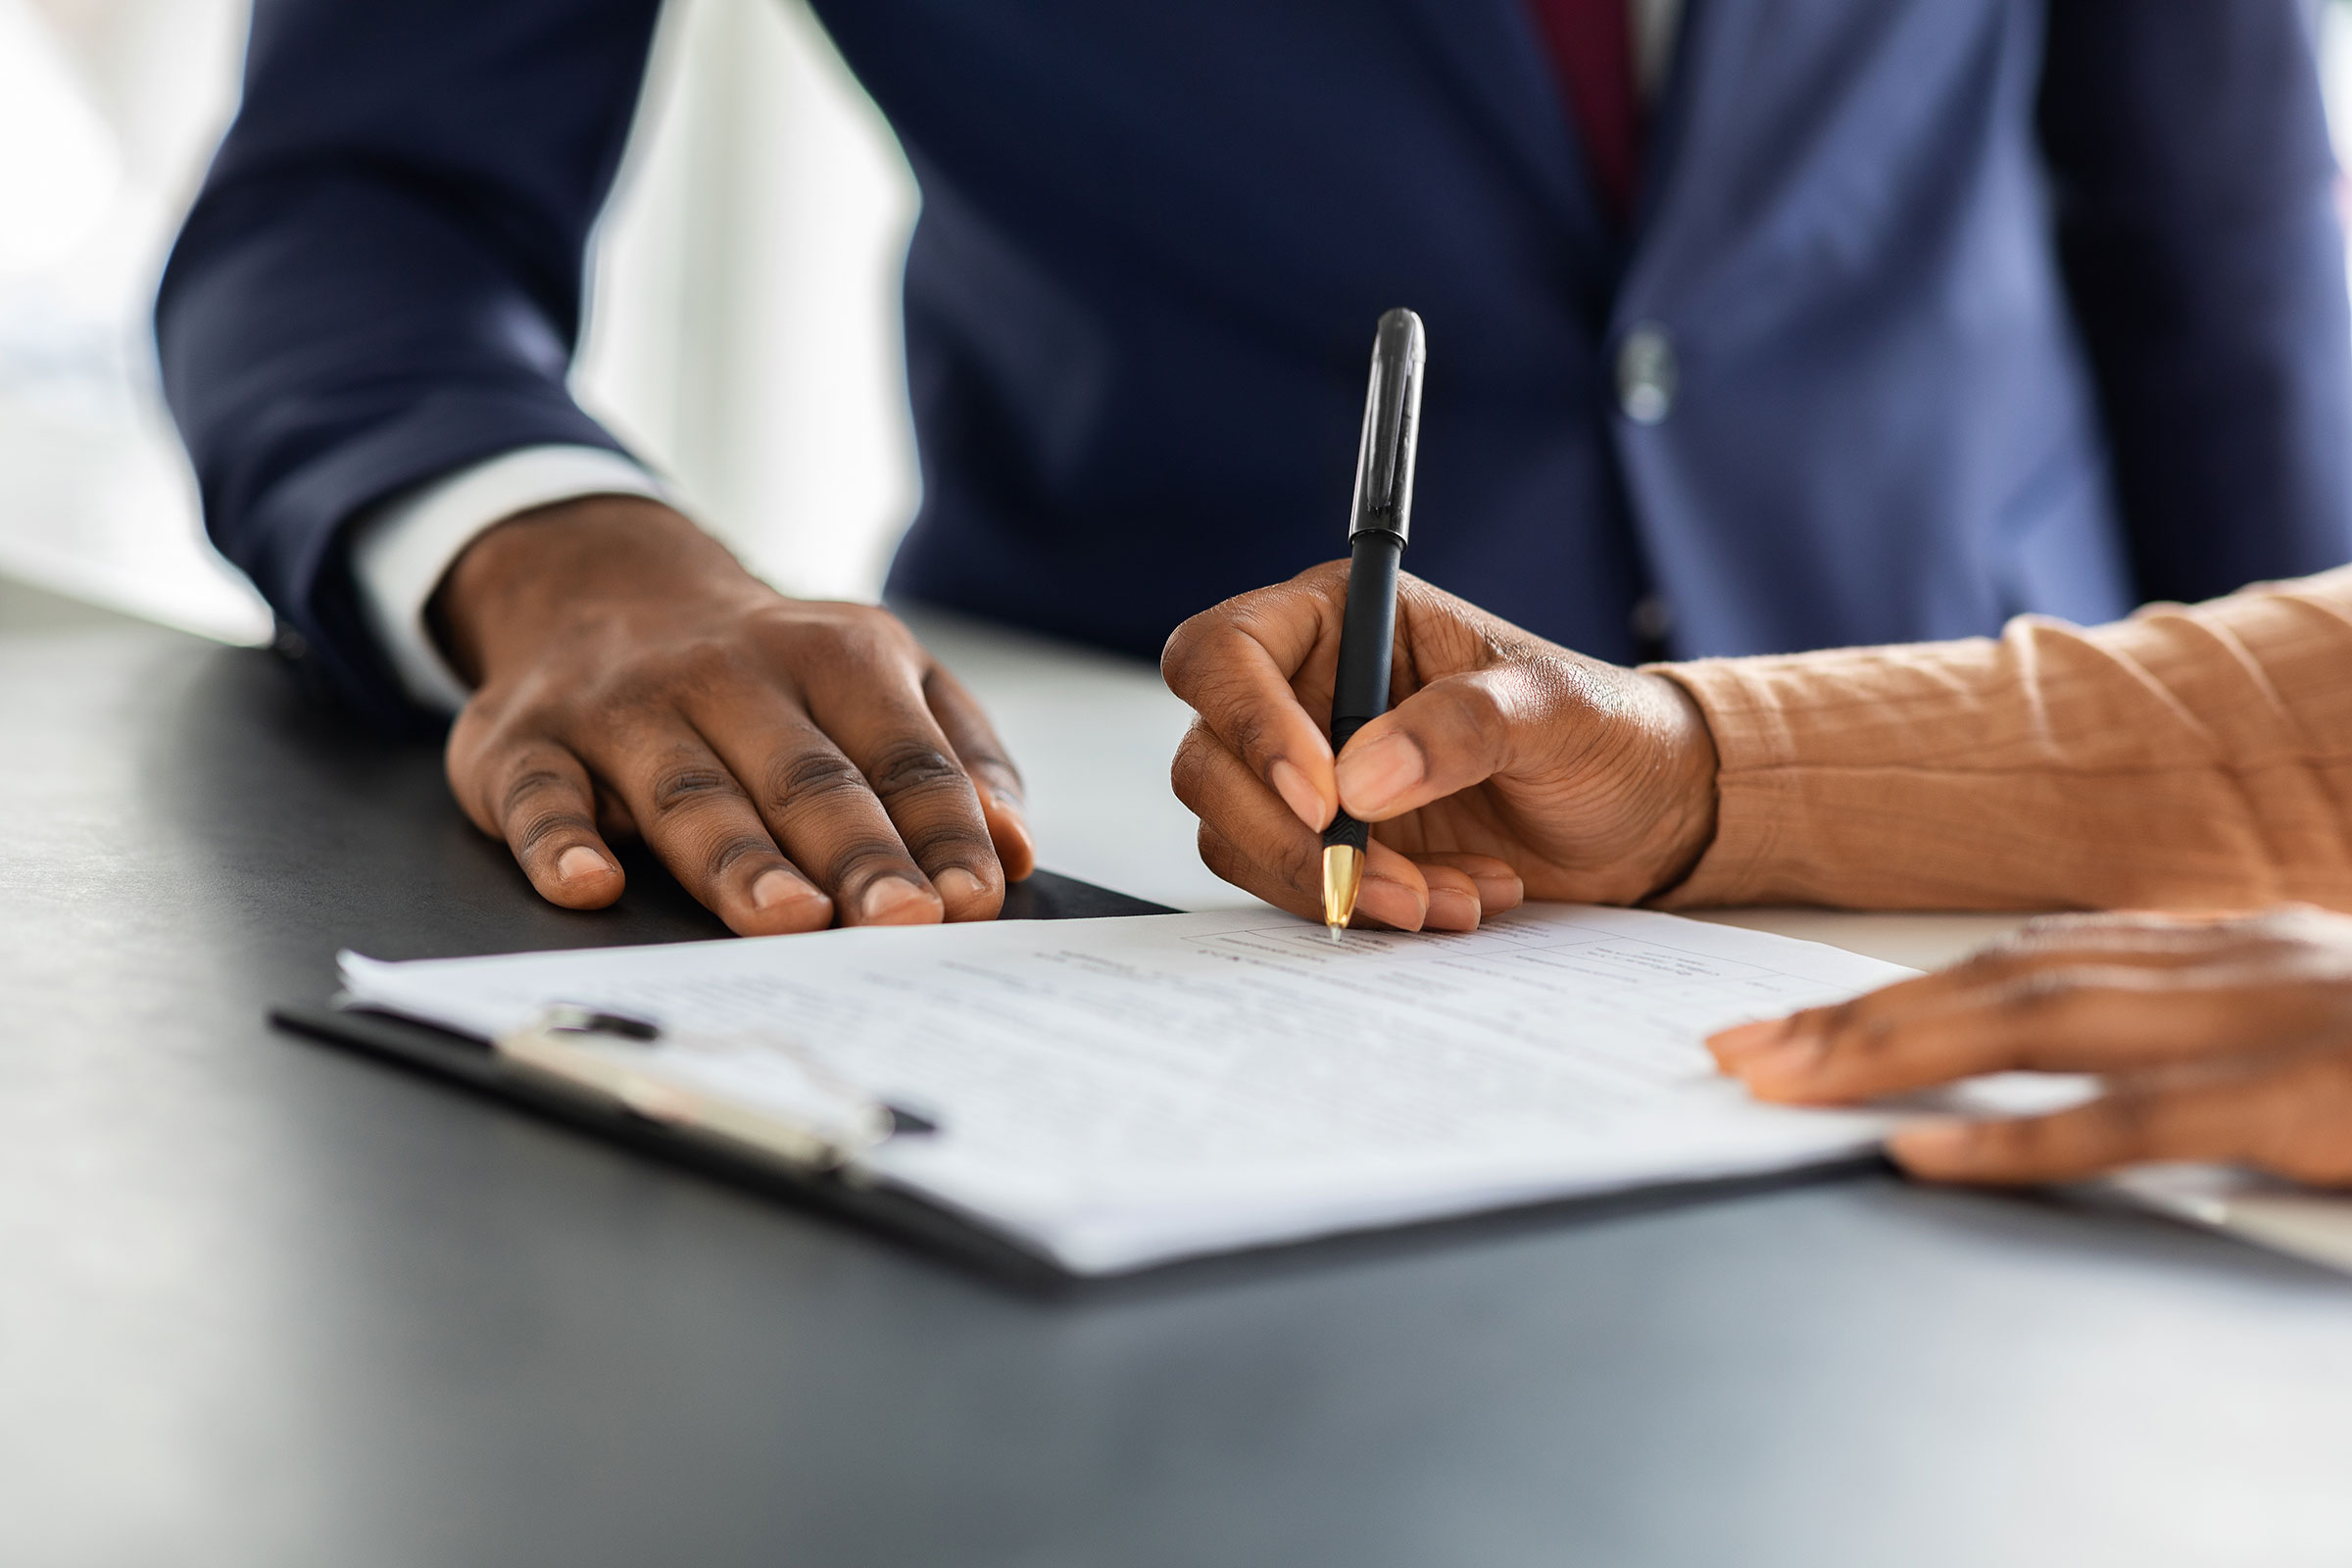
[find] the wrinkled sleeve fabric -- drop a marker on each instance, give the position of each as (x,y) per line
(380,281)
(2192,192)
(2186,758)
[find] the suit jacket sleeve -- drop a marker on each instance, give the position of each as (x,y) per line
(381,280)
(2193,188)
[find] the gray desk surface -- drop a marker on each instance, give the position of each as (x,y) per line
(264,1303)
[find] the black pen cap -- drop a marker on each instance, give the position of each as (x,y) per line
(1383,463)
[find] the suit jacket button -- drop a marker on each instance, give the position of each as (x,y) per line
(1646,374)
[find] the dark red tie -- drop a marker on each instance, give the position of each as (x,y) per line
(1591,43)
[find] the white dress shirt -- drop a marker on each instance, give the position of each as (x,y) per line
(401,551)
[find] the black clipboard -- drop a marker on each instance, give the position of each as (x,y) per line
(470,1064)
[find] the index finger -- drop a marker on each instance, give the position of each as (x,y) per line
(2045,946)
(2079,1021)
(1003,800)
(1235,666)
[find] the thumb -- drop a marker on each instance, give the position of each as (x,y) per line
(1451,734)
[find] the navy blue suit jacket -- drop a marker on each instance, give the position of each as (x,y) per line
(1976,306)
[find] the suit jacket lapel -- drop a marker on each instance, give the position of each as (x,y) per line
(1497,62)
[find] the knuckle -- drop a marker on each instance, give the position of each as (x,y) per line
(1299,862)
(1179,653)
(1283,866)
(1822,1020)
(986,758)
(1246,731)
(531,785)
(1004,779)
(1215,852)
(735,849)
(860,858)
(681,787)
(1488,702)
(700,666)
(1835,1022)
(484,737)
(623,702)
(981,753)
(470,738)
(1868,1039)
(1188,770)
(812,777)
(1244,869)
(953,844)
(913,766)
(535,831)
(527,779)
(864,637)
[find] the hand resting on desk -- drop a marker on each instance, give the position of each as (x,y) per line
(2223,1039)
(790,761)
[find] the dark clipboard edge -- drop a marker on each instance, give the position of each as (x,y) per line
(468,1064)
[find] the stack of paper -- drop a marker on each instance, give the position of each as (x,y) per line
(1111,1093)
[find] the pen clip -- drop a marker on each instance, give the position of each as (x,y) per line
(1385,458)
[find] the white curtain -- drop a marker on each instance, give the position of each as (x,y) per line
(763,202)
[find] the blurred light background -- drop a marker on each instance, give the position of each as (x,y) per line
(744,334)
(763,203)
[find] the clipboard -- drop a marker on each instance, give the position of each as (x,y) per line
(804,1165)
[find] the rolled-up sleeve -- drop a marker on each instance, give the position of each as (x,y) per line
(2188,757)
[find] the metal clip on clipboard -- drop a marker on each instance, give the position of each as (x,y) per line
(798,1115)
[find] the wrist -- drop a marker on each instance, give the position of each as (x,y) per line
(572,560)
(1690,791)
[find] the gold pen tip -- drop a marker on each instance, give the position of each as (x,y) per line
(1342,879)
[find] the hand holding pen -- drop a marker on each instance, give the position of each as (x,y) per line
(1509,768)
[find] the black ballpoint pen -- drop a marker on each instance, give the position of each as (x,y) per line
(1377,525)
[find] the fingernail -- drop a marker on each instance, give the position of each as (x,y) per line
(1297,793)
(1371,778)
(1932,1141)
(779,886)
(959,886)
(1451,910)
(1495,894)
(1022,853)
(578,861)
(894,898)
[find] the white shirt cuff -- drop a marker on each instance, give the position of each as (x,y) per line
(401,551)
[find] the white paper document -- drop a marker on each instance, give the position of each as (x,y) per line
(1112,1093)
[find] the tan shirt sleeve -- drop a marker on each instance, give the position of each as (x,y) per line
(2184,758)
